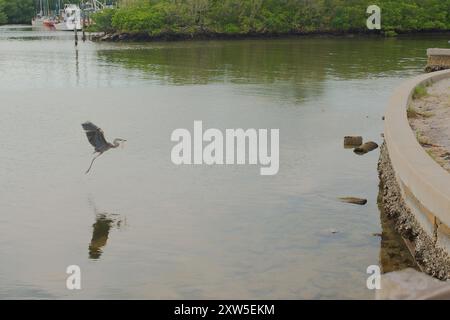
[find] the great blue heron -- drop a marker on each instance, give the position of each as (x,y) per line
(96,137)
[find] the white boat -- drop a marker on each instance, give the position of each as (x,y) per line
(71,18)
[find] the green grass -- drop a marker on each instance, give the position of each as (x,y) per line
(419,92)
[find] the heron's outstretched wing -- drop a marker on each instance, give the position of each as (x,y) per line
(95,136)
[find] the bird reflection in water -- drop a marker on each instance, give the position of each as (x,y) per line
(104,223)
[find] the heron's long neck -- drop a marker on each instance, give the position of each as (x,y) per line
(115,143)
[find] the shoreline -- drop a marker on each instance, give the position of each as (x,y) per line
(169,37)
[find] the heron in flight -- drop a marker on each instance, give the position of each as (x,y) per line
(96,137)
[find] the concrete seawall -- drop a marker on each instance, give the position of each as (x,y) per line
(438,59)
(415,189)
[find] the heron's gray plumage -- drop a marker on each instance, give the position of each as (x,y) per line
(97,139)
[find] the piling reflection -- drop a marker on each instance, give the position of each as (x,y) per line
(77,67)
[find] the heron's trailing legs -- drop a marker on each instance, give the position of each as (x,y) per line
(93,162)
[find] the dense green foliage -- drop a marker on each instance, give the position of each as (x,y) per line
(17,11)
(3,17)
(190,17)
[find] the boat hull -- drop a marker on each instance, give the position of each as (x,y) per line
(67,26)
(49,23)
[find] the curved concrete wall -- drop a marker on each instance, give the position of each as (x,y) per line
(438,59)
(425,185)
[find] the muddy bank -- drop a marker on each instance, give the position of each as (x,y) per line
(145,37)
(431,259)
(113,37)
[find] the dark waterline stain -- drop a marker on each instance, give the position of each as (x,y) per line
(394,254)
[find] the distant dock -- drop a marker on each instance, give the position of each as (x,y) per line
(438,59)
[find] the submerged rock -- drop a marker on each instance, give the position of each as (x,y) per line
(365,148)
(353,141)
(354,200)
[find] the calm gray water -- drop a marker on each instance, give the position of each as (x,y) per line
(141,227)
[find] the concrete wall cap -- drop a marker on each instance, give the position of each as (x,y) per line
(438,52)
(426,179)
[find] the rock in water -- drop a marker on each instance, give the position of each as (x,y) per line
(353,141)
(366,147)
(354,200)
(328,232)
